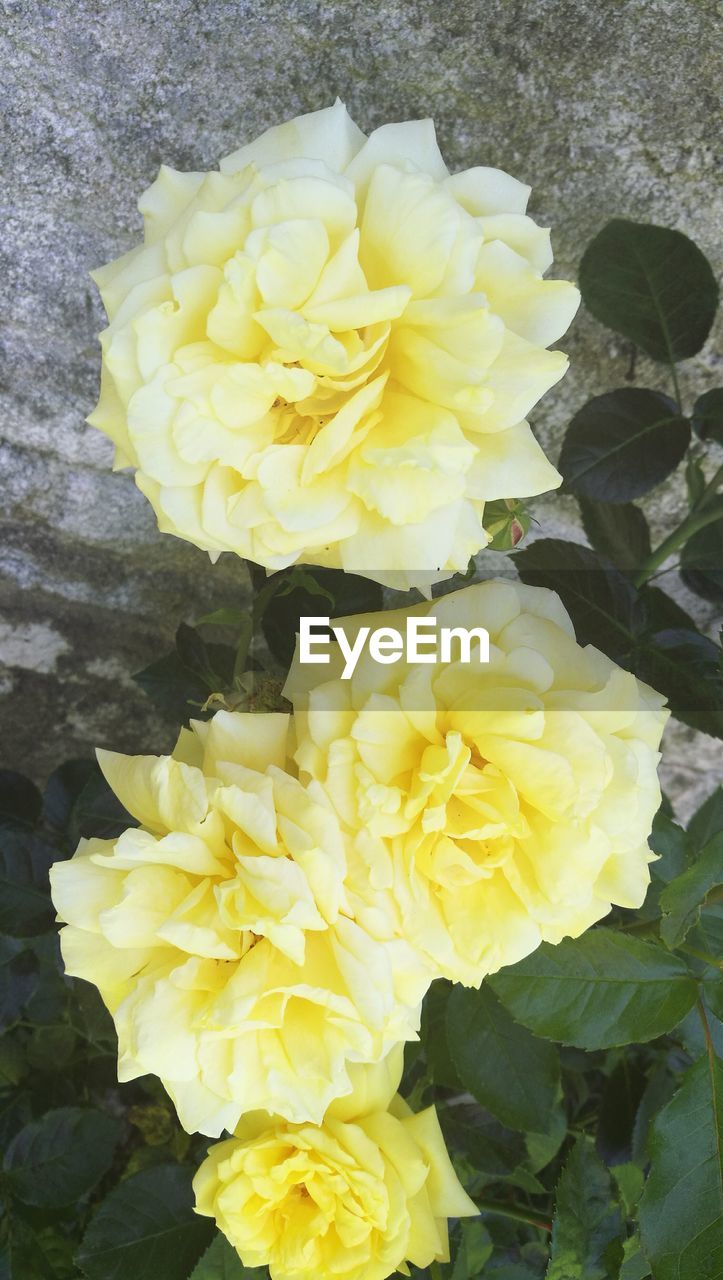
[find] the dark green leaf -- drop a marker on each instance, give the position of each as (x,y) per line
(54,1161)
(681,1211)
(509,1071)
(602,989)
(474,1248)
(701,562)
(18,979)
(97,811)
(172,687)
(20,800)
(321,593)
(708,415)
(684,666)
(681,900)
(622,1091)
(64,787)
(605,609)
(486,1144)
(221,1262)
(652,285)
(25,859)
(619,531)
(587,1227)
(36,1252)
(660,1088)
(146,1229)
(620,445)
(433,1035)
(708,821)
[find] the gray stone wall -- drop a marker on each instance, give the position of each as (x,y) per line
(604,106)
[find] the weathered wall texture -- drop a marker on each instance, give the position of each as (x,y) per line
(603,107)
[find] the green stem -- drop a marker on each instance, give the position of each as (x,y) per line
(676,384)
(513,1211)
(696,519)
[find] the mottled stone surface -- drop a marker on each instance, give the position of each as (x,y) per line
(603,108)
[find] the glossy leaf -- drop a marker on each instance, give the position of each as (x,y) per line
(681,1210)
(25,859)
(621,444)
(708,820)
(708,415)
(221,1262)
(701,562)
(510,1072)
(605,609)
(146,1229)
(618,531)
(602,989)
(20,800)
(683,665)
(55,1160)
(652,285)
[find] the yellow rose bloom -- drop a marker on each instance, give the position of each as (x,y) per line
(495,805)
(326,351)
(219,932)
(357,1197)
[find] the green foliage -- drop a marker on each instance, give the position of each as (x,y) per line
(620,445)
(681,1210)
(57,1159)
(605,988)
(146,1229)
(221,1262)
(587,1227)
(652,285)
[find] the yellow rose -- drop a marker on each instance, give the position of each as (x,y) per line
(357,1197)
(219,932)
(327,351)
(493,806)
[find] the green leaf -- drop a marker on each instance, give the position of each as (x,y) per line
(600,990)
(587,1226)
(605,609)
(681,900)
(486,1144)
(433,1034)
(221,1262)
(708,821)
(25,858)
(172,687)
(652,285)
(634,1265)
(509,1071)
(323,593)
(708,415)
(63,789)
(621,444)
(681,1211)
(20,800)
(619,531)
(54,1161)
(621,1094)
(97,811)
(475,1247)
(629,1180)
(36,1252)
(701,562)
(684,666)
(146,1229)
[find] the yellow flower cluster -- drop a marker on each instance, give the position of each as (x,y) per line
(327,350)
(266,935)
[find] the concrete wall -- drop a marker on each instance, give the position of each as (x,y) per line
(604,107)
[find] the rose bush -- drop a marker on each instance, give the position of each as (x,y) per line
(327,350)
(356,1197)
(492,806)
(219,932)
